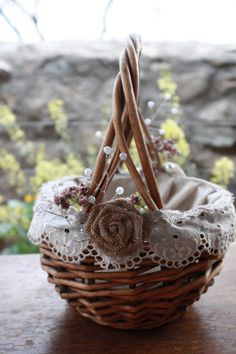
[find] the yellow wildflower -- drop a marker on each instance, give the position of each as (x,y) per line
(174,131)
(29,198)
(58,115)
(223,172)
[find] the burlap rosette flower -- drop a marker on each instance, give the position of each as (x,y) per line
(117,228)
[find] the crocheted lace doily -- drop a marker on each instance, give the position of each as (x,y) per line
(178,237)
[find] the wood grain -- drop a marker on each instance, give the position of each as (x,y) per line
(33,319)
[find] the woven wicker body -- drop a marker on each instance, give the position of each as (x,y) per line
(142,298)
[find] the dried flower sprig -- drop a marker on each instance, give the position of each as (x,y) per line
(165,146)
(134,199)
(73,195)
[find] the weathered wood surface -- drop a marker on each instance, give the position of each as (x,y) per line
(33,319)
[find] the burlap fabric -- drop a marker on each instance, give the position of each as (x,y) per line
(117,228)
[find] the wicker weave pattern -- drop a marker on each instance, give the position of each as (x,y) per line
(137,299)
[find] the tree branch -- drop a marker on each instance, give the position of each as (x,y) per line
(104,19)
(33,18)
(8,21)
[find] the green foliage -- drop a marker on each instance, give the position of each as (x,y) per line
(59,117)
(172,130)
(48,170)
(223,172)
(168,88)
(166,84)
(15,215)
(8,121)
(175,132)
(17,136)
(134,153)
(12,169)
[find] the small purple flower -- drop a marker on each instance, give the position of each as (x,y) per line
(74,194)
(165,145)
(84,202)
(134,199)
(64,204)
(57,200)
(82,189)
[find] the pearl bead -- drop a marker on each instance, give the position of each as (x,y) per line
(91,199)
(167,96)
(170,166)
(88,172)
(174,110)
(107,150)
(123,156)
(119,190)
(81,229)
(151,104)
(148,121)
(161,132)
(98,134)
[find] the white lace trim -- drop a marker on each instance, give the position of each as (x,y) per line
(177,238)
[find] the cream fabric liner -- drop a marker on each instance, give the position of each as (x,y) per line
(177,192)
(198,216)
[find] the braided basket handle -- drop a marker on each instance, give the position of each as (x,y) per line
(127,122)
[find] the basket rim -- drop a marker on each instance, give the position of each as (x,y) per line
(206,228)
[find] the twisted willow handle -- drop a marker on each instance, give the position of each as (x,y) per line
(127,122)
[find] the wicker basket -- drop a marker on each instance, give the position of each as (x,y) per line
(141,298)
(150,293)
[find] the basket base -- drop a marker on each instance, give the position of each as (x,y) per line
(141,298)
(133,326)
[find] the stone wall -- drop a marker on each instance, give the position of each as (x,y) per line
(82,74)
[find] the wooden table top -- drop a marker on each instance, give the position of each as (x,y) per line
(33,319)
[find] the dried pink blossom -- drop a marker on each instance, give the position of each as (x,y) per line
(74,194)
(165,145)
(134,199)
